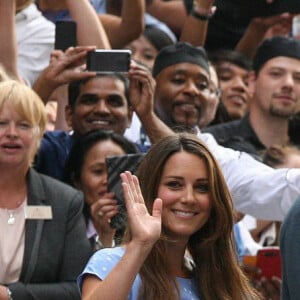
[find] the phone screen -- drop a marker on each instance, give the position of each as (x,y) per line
(108,61)
(115,166)
(65,35)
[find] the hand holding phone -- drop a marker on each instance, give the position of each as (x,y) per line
(108,61)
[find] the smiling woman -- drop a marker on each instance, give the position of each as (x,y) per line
(43,245)
(179,241)
(86,170)
(233,72)
(22,115)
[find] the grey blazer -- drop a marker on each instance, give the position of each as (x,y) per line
(56,250)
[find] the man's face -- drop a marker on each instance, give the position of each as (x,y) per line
(181,94)
(101,104)
(277,87)
(234,87)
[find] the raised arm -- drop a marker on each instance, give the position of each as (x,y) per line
(257,189)
(172,13)
(142,86)
(52,83)
(260,28)
(64,67)
(90,30)
(126,25)
(8,49)
(195,27)
(145,231)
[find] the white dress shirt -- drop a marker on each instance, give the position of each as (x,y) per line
(257,189)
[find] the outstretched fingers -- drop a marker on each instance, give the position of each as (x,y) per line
(132,187)
(157,208)
(145,228)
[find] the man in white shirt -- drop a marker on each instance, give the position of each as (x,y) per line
(27,40)
(181,73)
(35,39)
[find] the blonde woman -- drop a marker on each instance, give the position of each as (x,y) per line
(43,245)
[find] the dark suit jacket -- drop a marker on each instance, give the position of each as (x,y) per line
(56,250)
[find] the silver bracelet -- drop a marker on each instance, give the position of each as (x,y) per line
(9,296)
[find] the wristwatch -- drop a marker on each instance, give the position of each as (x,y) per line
(9,296)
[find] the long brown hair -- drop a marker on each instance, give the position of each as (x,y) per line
(217,273)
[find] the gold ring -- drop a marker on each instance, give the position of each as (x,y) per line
(100,213)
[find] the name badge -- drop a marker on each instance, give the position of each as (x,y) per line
(37,212)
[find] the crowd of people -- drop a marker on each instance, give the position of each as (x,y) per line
(212,101)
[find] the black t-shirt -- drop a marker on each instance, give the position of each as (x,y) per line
(233,16)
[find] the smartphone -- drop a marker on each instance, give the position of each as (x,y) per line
(268,260)
(108,61)
(65,35)
(116,165)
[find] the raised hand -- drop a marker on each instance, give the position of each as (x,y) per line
(142,86)
(64,67)
(145,229)
(263,27)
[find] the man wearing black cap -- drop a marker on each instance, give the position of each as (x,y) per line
(182,85)
(182,75)
(275,86)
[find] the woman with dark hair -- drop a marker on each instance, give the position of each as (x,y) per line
(86,170)
(185,249)
(145,48)
(233,70)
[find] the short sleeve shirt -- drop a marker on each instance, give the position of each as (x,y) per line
(104,260)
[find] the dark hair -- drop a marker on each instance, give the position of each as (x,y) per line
(274,47)
(232,56)
(211,247)
(157,37)
(83,145)
(74,86)
(78,153)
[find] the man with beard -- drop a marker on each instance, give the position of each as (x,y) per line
(275,86)
(182,76)
(187,79)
